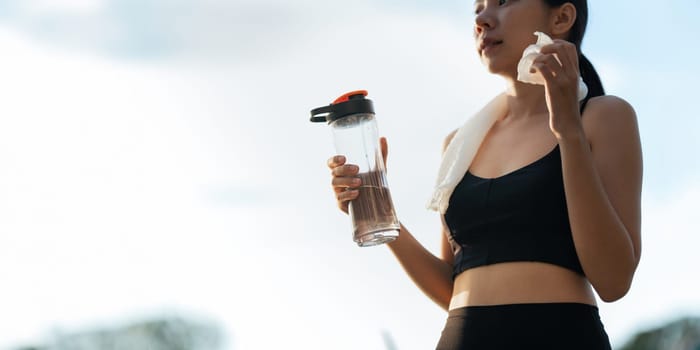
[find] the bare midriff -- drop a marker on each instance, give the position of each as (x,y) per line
(520,282)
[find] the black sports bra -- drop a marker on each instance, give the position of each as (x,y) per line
(520,216)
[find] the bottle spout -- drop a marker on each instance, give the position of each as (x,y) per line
(357,94)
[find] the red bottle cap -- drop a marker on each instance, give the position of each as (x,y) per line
(346,97)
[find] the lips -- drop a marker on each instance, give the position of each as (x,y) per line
(488,43)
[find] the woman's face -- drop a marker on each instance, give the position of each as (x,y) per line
(504,28)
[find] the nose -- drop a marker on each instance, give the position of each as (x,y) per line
(483,21)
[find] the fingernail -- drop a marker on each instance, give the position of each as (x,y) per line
(356,181)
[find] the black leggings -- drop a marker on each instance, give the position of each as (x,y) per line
(570,326)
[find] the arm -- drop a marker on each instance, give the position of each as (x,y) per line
(603,184)
(431,274)
(602,172)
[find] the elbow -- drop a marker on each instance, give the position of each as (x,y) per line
(443,303)
(613,286)
(442,297)
(611,297)
(445,307)
(616,291)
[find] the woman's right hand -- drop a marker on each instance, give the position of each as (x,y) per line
(344,181)
(344,177)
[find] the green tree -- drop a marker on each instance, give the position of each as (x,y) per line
(683,334)
(160,334)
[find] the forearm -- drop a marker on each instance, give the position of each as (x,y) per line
(431,274)
(602,241)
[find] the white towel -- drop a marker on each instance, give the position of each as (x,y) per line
(461,150)
(531,52)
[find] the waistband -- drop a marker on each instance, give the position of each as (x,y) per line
(541,309)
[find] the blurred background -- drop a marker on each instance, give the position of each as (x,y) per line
(161,186)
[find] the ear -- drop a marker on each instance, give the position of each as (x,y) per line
(563,19)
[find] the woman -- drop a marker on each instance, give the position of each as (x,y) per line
(549,211)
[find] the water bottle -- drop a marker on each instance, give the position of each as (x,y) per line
(355,135)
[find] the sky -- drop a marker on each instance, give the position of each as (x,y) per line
(157,158)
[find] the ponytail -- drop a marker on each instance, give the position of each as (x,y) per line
(591,78)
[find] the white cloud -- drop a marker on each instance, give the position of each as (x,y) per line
(82,7)
(209,30)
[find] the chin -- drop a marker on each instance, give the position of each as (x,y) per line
(494,68)
(500,68)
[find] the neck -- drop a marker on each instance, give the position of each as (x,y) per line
(525,100)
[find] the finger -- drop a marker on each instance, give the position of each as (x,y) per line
(345,170)
(559,46)
(550,62)
(572,53)
(566,53)
(335,161)
(573,58)
(343,183)
(563,51)
(348,195)
(544,69)
(551,48)
(550,58)
(385,149)
(343,206)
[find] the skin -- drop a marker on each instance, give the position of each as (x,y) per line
(601,165)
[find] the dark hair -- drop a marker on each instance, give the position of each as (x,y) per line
(588,73)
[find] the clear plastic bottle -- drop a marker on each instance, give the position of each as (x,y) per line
(356,136)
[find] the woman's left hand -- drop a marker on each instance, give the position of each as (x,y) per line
(558,64)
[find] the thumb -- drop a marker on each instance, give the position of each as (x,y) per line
(385,149)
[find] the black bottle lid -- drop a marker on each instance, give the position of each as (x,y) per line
(351,103)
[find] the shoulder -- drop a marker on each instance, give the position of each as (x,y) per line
(448,139)
(609,117)
(608,103)
(610,125)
